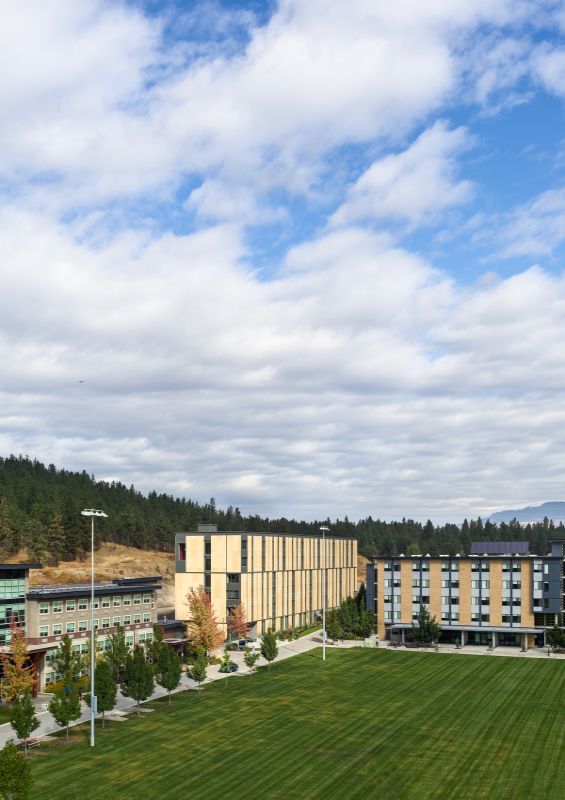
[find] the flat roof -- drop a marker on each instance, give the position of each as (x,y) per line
(398,626)
(265,533)
(22,565)
(122,586)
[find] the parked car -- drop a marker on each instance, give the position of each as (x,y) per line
(234,667)
(251,643)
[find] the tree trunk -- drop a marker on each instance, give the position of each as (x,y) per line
(169,696)
(25,746)
(138,708)
(67,736)
(103,720)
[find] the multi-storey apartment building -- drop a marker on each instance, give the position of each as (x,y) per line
(47,613)
(499,595)
(277,577)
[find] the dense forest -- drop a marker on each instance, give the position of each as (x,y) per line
(40,512)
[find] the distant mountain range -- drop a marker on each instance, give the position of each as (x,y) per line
(553,510)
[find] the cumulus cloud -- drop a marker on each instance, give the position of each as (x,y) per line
(415,185)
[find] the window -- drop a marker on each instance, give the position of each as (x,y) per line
(416,598)
(44,631)
(396,582)
(95,624)
(388,582)
(70,605)
(425,599)
(96,602)
(116,601)
(476,600)
(387,566)
(136,619)
(445,616)
(70,627)
(538,585)
(44,608)
(485,584)
(445,584)
(181,551)
(116,621)
(445,566)
(455,584)
(485,617)
(126,600)
(506,619)
(105,602)
(506,584)
(425,584)
(516,584)
(106,622)
(415,566)
(445,600)
(146,599)
(137,599)
(82,604)
(127,619)
(455,616)
(82,624)
(516,618)
(57,629)
(129,639)
(57,606)
(475,584)
(425,566)
(454,601)
(516,566)
(474,616)
(147,616)
(415,583)
(538,566)
(506,566)
(485,566)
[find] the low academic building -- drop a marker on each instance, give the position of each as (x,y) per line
(47,613)
(277,577)
(500,595)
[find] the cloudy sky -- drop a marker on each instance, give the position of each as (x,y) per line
(307,255)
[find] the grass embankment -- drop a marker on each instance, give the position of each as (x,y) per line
(364,724)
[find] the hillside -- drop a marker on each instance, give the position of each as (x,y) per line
(553,511)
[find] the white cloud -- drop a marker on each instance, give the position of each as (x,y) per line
(415,185)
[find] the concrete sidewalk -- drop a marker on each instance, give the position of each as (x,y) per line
(126,705)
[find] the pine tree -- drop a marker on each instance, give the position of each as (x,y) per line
(269,649)
(22,717)
(237,622)
(9,539)
(170,669)
(137,681)
(15,774)
(202,625)
(18,673)
(65,707)
(34,540)
(427,629)
(333,625)
(105,688)
(55,540)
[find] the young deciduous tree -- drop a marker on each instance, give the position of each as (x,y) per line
(237,622)
(250,658)
(18,673)
(15,774)
(198,670)
(202,625)
(170,669)
(22,717)
(68,663)
(65,707)
(105,688)
(138,681)
(117,653)
(269,649)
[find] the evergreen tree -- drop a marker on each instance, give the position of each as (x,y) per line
(333,625)
(117,653)
(34,540)
(18,673)
(105,688)
(55,540)
(137,681)
(9,540)
(555,637)
(65,707)
(22,717)
(170,670)
(269,649)
(15,774)
(427,629)
(198,669)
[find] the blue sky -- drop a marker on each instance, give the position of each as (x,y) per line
(308,256)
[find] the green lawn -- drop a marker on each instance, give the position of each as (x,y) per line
(366,724)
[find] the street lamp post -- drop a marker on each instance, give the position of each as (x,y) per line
(92,512)
(324,528)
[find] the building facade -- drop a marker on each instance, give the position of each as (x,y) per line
(47,613)
(277,577)
(500,595)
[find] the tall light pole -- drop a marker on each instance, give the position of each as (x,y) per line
(92,512)
(324,528)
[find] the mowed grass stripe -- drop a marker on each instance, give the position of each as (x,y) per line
(391,725)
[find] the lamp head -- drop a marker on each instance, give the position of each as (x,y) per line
(93,512)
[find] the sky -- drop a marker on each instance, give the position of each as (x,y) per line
(307,256)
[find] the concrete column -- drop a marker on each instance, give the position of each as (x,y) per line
(494,639)
(524,641)
(403,634)
(463,638)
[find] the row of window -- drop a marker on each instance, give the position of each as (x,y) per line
(82,624)
(453,566)
(424,583)
(102,645)
(83,604)
(10,588)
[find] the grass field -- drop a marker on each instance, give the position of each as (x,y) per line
(366,724)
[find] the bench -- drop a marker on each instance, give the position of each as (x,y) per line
(34,742)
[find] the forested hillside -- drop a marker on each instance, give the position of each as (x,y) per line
(40,511)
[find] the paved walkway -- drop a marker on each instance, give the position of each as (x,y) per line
(126,705)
